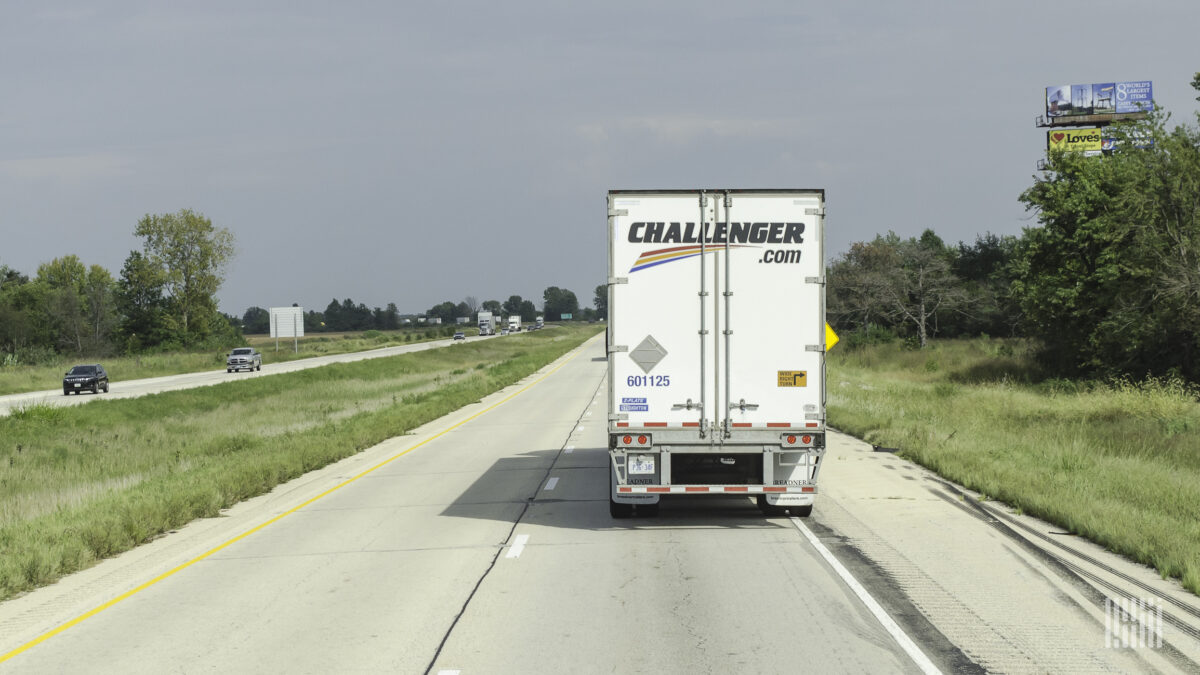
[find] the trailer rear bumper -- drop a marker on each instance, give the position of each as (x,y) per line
(769,490)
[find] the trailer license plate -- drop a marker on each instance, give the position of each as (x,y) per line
(641,464)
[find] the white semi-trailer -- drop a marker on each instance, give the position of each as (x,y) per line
(514,323)
(487,324)
(716,346)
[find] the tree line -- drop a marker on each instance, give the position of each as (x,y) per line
(347,315)
(164,297)
(1107,284)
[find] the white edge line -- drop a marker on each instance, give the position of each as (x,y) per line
(514,551)
(914,652)
(551,483)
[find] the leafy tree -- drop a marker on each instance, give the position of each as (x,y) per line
(472,304)
(63,308)
(855,298)
(446,311)
(15,324)
(559,301)
(100,302)
(256,321)
(512,306)
(985,269)
(492,306)
(333,316)
(390,319)
(192,255)
(527,311)
(1110,282)
(897,282)
(600,300)
(314,322)
(140,302)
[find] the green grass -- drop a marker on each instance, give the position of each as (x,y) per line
(1118,463)
(19,378)
(81,483)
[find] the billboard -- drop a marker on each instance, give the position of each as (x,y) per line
(1105,98)
(1088,139)
(287,322)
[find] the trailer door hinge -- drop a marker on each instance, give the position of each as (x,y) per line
(814,212)
(813,416)
(612,281)
(814,280)
(617,417)
(685,406)
(617,212)
(618,348)
(743,406)
(813,348)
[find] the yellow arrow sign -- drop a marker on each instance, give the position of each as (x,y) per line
(831,337)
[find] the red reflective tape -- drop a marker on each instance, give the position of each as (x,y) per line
(812,424)
(624,489)
(658,489)
(808,489)
(622,424)
(654,424)
(779,424)
(774,489)
(695,489)
(691,424)
(742,424)
(736,489)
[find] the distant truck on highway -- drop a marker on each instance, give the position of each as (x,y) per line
(540,323)
(722,393)
(514,324)
(487,324)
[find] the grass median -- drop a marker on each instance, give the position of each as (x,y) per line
(82,483)
(1118,463)
(17,379)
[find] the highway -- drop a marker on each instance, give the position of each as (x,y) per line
(481,543)
(153,385)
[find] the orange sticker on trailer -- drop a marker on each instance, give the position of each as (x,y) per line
(793,378)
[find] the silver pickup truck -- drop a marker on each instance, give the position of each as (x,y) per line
(243,358)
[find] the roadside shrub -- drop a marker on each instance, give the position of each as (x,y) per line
(870,335)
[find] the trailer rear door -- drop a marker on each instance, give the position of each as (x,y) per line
(716,308)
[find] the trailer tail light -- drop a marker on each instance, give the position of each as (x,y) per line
(627,440)
(641,440)
(799,440)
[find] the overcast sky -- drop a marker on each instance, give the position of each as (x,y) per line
(421,152)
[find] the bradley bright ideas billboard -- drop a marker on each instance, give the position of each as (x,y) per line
(1105,98)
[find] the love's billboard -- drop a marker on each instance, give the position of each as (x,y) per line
(1086,140)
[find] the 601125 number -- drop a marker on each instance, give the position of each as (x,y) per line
(648,381)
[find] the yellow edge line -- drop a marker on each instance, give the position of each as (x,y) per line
(87,615)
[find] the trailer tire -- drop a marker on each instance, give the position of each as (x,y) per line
(801,511)
(648,510)
(619,510)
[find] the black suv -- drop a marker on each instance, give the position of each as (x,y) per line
(90,377)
